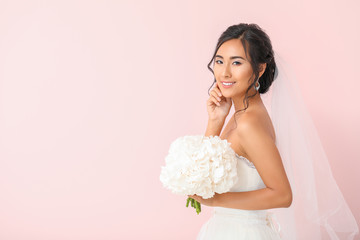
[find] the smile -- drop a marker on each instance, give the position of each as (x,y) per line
(227,84)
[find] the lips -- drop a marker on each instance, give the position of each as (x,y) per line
(227,84)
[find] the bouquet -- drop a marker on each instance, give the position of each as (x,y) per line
(199,165)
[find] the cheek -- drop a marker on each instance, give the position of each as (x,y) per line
(243,77)
(242,73)
(216,72)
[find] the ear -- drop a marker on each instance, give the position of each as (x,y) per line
(262,69)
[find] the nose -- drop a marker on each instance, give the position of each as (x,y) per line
(226,71)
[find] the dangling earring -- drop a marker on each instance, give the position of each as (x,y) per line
(257,88)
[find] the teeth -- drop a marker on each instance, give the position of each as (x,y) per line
(228,84)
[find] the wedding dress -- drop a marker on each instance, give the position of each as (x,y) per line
(237,224)
(318,210)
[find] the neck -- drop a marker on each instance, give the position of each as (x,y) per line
(238,101)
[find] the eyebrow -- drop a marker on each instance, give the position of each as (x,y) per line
(232,57)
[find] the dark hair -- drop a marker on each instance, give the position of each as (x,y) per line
(257,44)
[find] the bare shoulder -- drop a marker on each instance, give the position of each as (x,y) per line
(250,123)
(256,123)
(254,134)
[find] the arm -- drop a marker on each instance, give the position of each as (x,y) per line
(263,152)
(214,127)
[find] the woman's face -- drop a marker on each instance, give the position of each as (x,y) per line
(231,65)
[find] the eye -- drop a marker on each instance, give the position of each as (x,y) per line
(217,61)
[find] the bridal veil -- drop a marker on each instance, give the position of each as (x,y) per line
(318,210)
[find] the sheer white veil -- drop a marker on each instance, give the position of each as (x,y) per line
(318,210)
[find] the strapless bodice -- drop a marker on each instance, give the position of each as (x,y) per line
(248,180)
(248,177)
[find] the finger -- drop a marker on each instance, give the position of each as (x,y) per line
(216,95)
(217,90)
(194,197)
(210,101)
(215,101)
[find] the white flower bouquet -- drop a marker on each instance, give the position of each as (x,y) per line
(199,165)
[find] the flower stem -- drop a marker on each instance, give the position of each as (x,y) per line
(187,202)
(195,204)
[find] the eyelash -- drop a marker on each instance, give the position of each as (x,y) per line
(234,62)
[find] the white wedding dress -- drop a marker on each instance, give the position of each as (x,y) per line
(238,224)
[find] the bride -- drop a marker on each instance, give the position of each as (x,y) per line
(275,163)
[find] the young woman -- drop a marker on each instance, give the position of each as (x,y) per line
(244,68)
(271,152)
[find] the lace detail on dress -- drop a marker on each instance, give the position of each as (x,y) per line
(250,164)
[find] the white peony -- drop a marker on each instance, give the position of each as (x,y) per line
(199,165)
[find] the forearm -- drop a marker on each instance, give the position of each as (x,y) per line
(260,199)
(214,127)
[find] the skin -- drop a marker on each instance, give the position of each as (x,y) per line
(253,137)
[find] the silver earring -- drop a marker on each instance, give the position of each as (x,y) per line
(257,88)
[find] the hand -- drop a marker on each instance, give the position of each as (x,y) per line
(211,202)
(218,106)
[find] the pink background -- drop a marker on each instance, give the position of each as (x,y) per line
(93,92)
